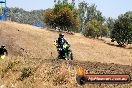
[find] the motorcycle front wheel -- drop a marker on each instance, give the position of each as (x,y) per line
(70,55)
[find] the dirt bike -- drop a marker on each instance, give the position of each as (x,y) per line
(64,52)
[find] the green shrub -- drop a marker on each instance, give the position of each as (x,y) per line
(25,72)
(122,31)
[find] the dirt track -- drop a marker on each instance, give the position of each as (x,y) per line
(32,47)
(36,42)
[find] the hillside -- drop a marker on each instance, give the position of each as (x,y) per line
(32,47)
(38,42)
(27,17)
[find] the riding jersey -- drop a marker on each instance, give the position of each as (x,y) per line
(61,42)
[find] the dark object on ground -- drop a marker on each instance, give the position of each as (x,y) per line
(3,50)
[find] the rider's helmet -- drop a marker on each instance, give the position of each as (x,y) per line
(61,35)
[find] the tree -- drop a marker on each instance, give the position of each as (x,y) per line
(63,16)
(49,18)
(122,31)
(88,13)
(104,30)
(64,1)
(92,29)
(95,29)
(110,23)
(26,17)
(82,12)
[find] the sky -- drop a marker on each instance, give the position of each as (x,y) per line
(109,8)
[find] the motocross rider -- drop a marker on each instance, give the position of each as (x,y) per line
(60,42)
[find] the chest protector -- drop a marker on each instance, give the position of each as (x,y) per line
(61,41)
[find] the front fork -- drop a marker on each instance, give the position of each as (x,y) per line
(67,54)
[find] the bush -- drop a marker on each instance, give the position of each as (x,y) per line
(122,31)
(25,72)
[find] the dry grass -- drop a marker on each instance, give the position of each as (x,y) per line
(36,42)
(32,47)
(56,74)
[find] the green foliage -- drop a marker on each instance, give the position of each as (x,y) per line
(49,18)
(95,29)
(21,16)
(64,2)
(92,28)
(110,23)
(104,30)
(63,16)
(57,6)
(25,72)
(88,13)
(82,11)
(122,31)
(93,13)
